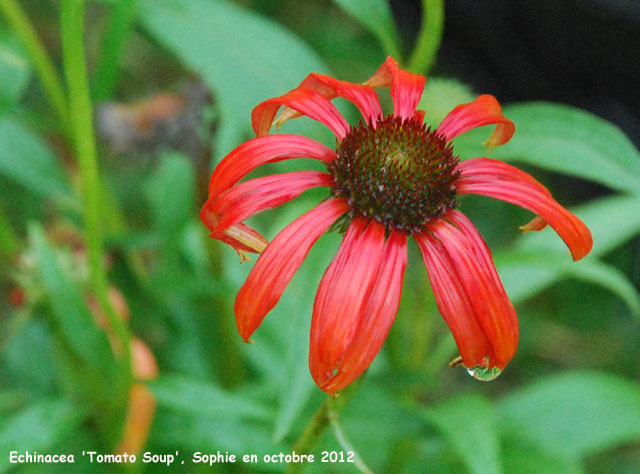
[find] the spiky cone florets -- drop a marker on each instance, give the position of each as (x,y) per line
(399,172)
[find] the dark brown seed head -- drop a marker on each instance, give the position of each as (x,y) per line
(400,173)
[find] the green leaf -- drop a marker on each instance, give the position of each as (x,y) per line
(574,414)
(243,57)
(117,32)
(26,159)
(37,428)
(525,274)
(72,316)
(524,459)
(15,70)
(574,142)
(193,397)
(375,16)
(375,422)
(468,424)
(609,277)
(539,259)
(204,434)
(26,357)
(171,192)
(296,384)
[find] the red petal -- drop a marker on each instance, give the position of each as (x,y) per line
(452,301)
(241,237)
(406,87)
(259,151)
(306,101)
(497,170)
(342,297)
(384,75)
(377,318)
(474,266)
(485,110)
(512,185)
(279,262)
(256,195)
(362,96)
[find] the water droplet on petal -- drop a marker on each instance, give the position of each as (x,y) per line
(484,374)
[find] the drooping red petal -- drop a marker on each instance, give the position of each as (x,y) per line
(406,87)
(279,262)
(467,228)
(512,185)
(474,266)
(362,96)
(256,195)
(485,110)
(342,297)
(377,318)
(268,149)
(241,237)
(498,171)
(453,302)
(306,101)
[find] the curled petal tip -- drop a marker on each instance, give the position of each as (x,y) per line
(287,114)
(583,248)
(501,135)
(485,110)
(534,225)
(241,237)
(490,146)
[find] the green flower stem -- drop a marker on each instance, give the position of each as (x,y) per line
(327,414)
(118,31)
(310,436)
(81,122)
(41,61)
(428,43)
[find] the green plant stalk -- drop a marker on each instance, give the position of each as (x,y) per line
(81,122)
(428,42)
(310,436)
(41,61)
(391,46)
(120,27)
(327,413)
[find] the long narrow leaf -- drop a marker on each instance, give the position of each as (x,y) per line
(375,15)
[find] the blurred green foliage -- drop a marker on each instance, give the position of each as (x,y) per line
(568,403)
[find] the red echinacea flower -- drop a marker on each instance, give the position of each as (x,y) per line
(389,177)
